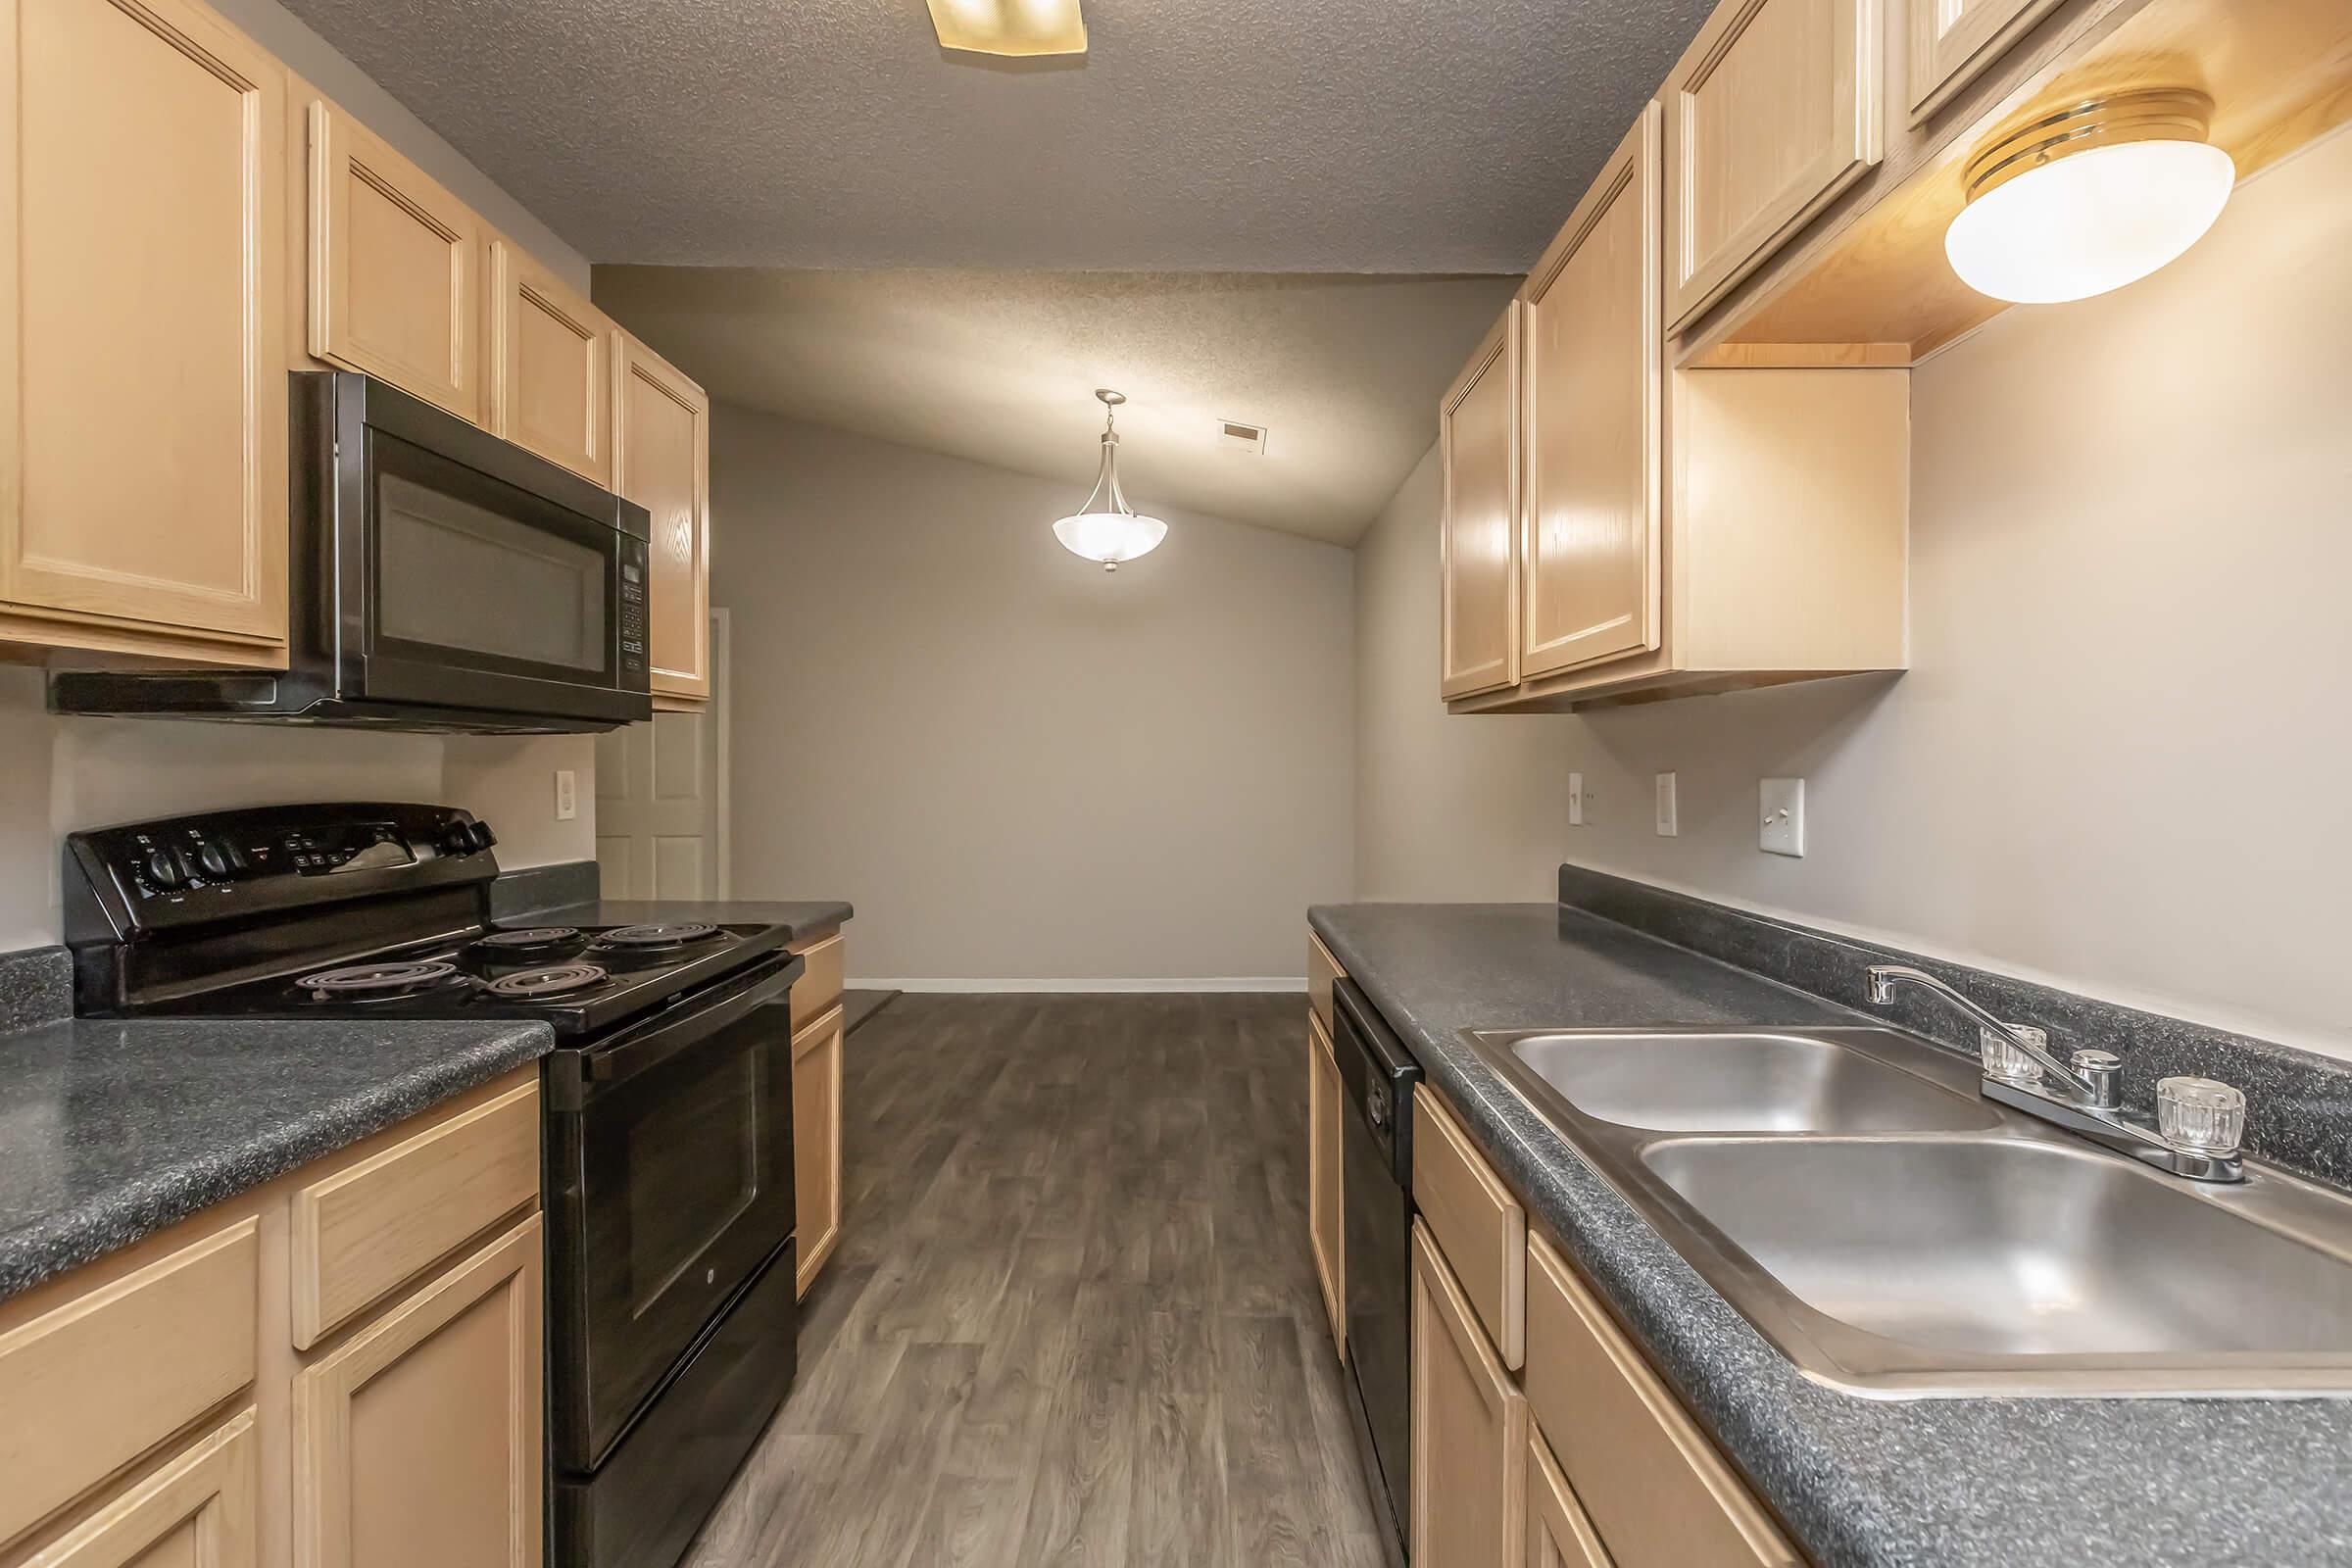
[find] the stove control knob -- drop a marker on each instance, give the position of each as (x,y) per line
(213,860)
(164,870)
(481,837)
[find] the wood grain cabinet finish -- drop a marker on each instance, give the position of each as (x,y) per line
(1477,1222)
(90,1386)
(1326,1220)
(394,268)
(1323,972)
(362,1231)
(551,376)
(816,1062)
(1771,112)
(197,1511)
(819,986)
(1478,538)
(1953,40)
(1592,532)
(1656,1489)
(143,334)
(1559,1534)
(662,460)
(1469,1430)
(418,1440)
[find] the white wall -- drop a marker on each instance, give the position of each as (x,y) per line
(1018,766)
(2118,761)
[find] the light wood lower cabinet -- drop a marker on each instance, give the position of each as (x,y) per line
(1469,1430)
(143,309)
(1326,1219)
(1559,1534)
(816,1062)
(418,1441)
(662,460)
(197,1511)
(552,365)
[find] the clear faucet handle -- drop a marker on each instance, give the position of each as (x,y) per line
(2005,1062)
(2200,1115)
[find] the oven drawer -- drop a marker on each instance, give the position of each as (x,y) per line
(362,1231)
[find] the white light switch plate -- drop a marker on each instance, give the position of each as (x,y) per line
(1668,820)
(567,795)
(1783,814)
(1576,800)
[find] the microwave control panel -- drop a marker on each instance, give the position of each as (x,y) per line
(633,661)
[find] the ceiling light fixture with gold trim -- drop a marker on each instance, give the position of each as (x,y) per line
(1107,528)
(2090,197)
(1019,27)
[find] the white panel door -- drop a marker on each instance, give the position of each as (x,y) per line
(658,801)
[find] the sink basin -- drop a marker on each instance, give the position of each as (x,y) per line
(1894,1234)
(1999,1247)
(1747,1083)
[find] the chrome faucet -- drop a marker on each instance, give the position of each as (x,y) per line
(2084,1094)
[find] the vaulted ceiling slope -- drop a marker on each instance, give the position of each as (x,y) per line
(1285,135)
(1344,372)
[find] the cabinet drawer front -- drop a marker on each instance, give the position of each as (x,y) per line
(361,1232)
(1479,1225)
(1323,972)
(1559,1534)
(1771,112)
(1469,1427)
(818,988)
(816,1143)
(92,1386)
(1653,1486)
(200,1509)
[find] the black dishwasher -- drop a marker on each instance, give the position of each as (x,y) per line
(1376,1194)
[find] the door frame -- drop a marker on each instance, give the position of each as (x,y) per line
(722,703)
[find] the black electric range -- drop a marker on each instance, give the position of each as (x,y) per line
(668,1178)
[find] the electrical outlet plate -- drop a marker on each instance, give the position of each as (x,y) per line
(1669,815)
(567,795)
(1781,812)
(1576,800)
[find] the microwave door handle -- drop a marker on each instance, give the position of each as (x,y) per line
(657,1042)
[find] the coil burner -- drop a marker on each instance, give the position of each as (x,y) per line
(366,982)
(557,980)
(657,937)
(537,939)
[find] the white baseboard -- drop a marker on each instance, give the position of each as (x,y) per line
(1212,983)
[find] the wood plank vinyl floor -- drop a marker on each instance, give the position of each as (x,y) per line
(1072,1319)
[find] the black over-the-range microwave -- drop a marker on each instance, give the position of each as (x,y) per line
(441,579)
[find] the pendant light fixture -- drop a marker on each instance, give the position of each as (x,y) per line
(1107,528)
(2090,197)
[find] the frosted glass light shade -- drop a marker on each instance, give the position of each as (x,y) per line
(2089,222)
(1010,26)
(1109,537)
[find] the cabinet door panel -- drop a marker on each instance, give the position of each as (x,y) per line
(817,1052)
(1469,1430)
(1952,40)
(417,1441)
(1326,1220)
(1478,429)
(1559,1534)
(143,184)
(662,455)
(554,391)
(394,268)
(1771,112)
(1591,551)
(198,1511)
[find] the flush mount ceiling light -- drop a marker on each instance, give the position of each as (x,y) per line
(1010,26)
(1107,528)
(2090,198)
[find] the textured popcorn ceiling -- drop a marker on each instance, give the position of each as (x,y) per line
(1272,135)
(1344,371)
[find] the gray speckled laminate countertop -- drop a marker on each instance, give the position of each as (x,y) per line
(109,1132)
(1953,1482)
(803,917)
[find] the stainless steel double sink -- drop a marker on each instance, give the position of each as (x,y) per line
(1895,1234)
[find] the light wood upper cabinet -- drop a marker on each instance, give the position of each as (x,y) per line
(1952,40)
(1592,533)
(1469,1430)
(662,460)
(417,1441)
(143,309)
(816,1062)
(1771,111)
(1326,1226)
(394,268)
(1479,433)
(197,1511)
(552,383)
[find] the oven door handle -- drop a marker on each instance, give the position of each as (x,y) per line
(654,1042)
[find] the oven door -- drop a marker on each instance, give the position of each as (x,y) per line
(669,1184)
(478,575)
